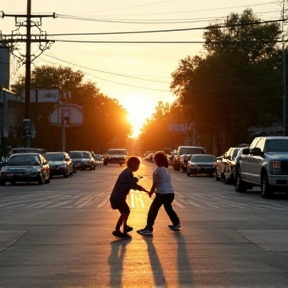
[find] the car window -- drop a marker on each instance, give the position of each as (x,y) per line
(235,152)
(279,145)
(202,158)
(86,155)
(24,159)
(54,157)
(117,151)
(75,154)
(191,150)
(261,144)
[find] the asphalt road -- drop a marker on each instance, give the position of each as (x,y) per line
(59,235)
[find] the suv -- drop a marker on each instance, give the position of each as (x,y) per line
(115,156)
(183,154)
(263,164)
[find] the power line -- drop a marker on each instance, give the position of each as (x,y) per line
(124,84)
(106,72)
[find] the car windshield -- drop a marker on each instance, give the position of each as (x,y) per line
(117,151)
(54,157)
(279,145)
(235,153)
(190,150)
(24,160)
(76,154)
(202,158)
(86,155)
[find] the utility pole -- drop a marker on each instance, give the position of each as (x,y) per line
(26,59)
(28,62)
(284,73)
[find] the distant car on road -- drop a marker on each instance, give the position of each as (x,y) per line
(60,164)
(183,154)
(201,164)
(82,159)
(115,156)
(25,167)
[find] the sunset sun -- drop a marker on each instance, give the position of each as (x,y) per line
(138,112)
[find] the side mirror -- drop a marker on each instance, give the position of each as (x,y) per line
(246,151)
(256,151)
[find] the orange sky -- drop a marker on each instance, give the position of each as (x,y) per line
(137,74)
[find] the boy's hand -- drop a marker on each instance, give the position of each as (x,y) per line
(150,194)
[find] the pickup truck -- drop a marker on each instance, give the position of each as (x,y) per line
(263,164)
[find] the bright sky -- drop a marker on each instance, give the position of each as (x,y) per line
(137,74)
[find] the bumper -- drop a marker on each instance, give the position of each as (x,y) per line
(115,160)
(202,170)
(279,182)
(20,177)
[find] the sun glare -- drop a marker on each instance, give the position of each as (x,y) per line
(137,115)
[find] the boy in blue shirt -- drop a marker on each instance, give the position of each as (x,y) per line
(124,183)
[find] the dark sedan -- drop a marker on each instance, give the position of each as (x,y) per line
(82,160)
(25,167)
(201,164)
(60,164)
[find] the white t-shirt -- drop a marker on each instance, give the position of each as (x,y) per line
(162,177)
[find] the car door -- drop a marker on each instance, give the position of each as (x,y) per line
(256,164)
(247,162)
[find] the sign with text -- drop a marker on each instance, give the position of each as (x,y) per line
(43,95)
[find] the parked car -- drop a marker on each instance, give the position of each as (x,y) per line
(98,157)
(25,167)
(183,154)
(115,156)
(225,165)
(149,157)
(264,164)
(60,164)
(82,159)
(201,164)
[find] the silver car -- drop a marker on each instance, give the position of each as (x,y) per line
(201,164)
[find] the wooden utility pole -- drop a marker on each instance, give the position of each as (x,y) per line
(28,39)
(28,61)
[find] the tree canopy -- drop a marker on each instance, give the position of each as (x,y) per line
(105,120)
(237,82)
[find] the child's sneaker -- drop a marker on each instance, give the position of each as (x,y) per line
(128,229)
(121,235)
(175,227)
(145,232)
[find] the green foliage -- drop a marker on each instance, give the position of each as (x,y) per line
(237,84)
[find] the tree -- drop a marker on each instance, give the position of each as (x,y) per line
(104,118)
(233,85)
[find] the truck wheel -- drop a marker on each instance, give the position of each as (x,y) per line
(239,184)
(266,190)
